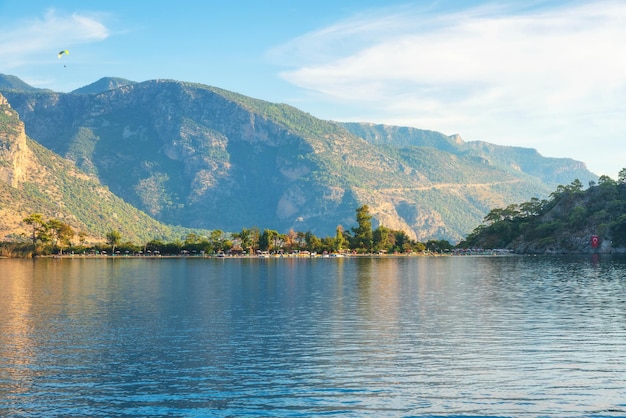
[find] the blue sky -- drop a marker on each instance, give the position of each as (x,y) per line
(549,75)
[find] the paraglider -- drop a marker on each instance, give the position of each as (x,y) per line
(63,52)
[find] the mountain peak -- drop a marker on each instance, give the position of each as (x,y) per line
(13,83)
(102,85)
(456,138)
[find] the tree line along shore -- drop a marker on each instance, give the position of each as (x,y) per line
(572,220)
(52,237)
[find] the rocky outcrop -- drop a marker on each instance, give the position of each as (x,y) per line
(567,243)
(15,156)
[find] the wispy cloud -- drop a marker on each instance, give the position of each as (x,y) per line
(29,41)
(548,77)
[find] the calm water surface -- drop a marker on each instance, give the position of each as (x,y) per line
(379,337)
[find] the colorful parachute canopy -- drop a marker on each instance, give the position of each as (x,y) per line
(64,52)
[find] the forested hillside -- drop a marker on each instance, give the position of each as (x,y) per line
(571,220)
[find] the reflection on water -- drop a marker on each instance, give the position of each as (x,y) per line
(283,337)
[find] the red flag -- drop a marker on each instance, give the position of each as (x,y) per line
(595,241)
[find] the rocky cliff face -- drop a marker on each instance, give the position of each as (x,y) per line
(15,156)
(579,243)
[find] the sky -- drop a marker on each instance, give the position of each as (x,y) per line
(549,75)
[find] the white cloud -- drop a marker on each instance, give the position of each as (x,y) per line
(29,41)
(553,79)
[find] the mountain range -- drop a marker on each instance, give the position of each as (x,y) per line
(201,157)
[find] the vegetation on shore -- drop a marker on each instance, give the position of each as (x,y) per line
(572,220)
(52,236)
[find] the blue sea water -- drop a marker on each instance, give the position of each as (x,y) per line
(350,337)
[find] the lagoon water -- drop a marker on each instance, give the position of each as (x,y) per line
(354,337)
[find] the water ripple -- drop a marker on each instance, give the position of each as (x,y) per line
(445,336)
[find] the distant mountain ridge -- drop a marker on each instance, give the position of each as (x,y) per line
(203,157)
(102,85)
(13,83)
(527,160)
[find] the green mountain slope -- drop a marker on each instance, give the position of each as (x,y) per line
(202,157)
(35,180)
